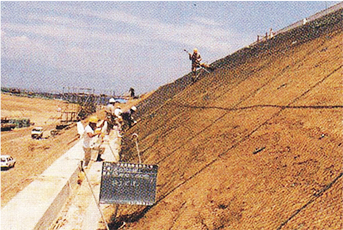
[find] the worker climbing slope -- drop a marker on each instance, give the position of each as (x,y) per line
(113,116)
(128,117)
(196,63)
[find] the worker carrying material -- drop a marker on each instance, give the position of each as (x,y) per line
(196,63)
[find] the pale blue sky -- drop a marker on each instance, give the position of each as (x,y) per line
(112,46)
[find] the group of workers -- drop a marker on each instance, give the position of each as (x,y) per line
(115,119)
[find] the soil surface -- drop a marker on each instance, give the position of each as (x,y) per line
(32,156)
(257,144)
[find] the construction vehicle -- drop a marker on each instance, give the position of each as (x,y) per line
(37,133)
(7,161)
(6,125)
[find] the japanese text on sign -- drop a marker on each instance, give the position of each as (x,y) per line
(126,183)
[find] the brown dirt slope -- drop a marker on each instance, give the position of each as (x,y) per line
(257,144)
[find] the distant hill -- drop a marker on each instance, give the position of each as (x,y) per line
(257,144)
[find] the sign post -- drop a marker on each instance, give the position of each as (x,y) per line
(127,183)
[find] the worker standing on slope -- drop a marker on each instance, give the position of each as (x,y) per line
(127,116)
(90,132)
(110,114)
(196,63)
(110,107)
(132,92)
(118,120)
(118,112)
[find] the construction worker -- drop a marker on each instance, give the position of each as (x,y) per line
(110,107)
(118,120)
(110,114)
(132,92)
(89,133)
(196,63)
(127,116)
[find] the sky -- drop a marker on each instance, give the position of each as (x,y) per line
(110,46)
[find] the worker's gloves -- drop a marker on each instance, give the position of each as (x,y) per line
(97,131)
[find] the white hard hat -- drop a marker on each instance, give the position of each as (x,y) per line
(133,108)
(112,100)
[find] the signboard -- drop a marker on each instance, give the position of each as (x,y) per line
(126,183)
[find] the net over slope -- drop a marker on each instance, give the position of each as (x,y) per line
(257,144)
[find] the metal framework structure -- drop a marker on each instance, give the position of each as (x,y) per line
(85,98)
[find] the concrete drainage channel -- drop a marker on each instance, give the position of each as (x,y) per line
(44,202)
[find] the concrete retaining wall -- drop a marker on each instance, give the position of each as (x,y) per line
(38,204)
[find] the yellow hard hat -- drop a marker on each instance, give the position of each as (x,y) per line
(195,50)
(93,119)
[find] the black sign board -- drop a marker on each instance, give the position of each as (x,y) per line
(126,183)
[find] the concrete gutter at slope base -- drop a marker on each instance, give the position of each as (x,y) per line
(38,205)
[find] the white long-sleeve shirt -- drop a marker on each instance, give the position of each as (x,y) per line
(87,141)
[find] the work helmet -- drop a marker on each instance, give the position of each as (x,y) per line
(133,108)
(195,50)
(112,100)
(93,119)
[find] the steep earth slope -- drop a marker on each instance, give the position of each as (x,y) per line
(257,144)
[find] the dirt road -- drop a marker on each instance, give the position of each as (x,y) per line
(32,156)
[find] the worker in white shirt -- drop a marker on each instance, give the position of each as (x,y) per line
(118,124)
(90,132)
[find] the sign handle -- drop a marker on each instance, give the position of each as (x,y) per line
(139,155)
